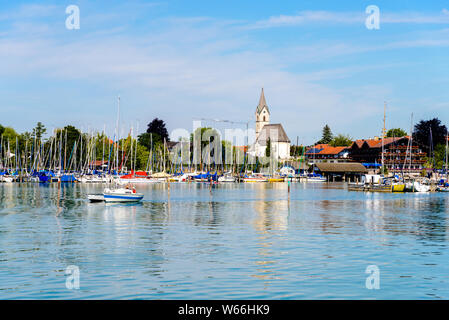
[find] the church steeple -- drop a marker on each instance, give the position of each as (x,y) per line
(262,114)
(262,103)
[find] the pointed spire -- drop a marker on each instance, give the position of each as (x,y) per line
(262,102)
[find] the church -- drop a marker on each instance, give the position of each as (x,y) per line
(265,131)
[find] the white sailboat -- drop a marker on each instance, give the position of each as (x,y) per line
(445,186)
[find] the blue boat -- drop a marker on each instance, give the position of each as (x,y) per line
(67,178)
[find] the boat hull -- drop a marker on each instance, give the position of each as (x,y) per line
(370,187)
(276,180)
(110,197)
(95,197)
(254,180)
(398,188)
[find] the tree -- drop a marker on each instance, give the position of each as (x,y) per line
(268,149)
(2,129)
(341,140)
(430,133)
(150,140)
(440,156)
(327,135)
(396,132)
(73,135)
(157,126)
(9,134)
(295,151)
(39,131)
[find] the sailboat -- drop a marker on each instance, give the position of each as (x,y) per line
(414,185)
(444,187)
(116,193)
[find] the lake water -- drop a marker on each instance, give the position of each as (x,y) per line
(236,241)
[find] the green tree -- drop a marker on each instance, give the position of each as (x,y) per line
(9,135)
(39,131)
(341,140)
(268,148)
(396,132)
(2,129)
(440,155)
(327,135)
(430,133)
(157,126)
(71,135)
(150,140)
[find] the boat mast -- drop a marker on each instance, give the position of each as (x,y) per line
(103,137)
(118,117)
(447,137)
(383,137)
(135,149)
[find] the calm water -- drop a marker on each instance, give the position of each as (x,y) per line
(240,241)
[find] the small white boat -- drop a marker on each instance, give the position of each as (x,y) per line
(180,178)
(442,189)
(95,197)
(93,179)
(255,178)
(7,179)
(416,186)
(227,177)
(122,195)
(315,178)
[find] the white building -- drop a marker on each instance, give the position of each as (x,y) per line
(272,133)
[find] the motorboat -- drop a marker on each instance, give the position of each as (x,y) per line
(314,177)
(373,183)
(227,177)
(416,186)
(180,178)
(7,179)
(95,197)
(127,194)
(255,178)
(276,179)
(442,189)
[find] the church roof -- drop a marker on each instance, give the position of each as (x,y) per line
(275,132)
(262,103)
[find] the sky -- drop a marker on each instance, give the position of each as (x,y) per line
(183,60)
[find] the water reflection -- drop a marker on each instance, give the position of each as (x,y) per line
(228,242)
(271,217)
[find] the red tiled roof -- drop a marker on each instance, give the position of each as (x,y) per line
(327,149)
(377,143)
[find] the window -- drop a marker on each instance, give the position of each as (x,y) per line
(263,118)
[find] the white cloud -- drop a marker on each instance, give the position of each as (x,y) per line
(330,17)
(193,67)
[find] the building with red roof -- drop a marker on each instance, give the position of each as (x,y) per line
(327,153)
(399,153)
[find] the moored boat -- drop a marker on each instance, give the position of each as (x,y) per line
(122,195)
(255,178)
(276,179)
(227,177)
(95,197)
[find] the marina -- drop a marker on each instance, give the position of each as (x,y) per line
(215,151)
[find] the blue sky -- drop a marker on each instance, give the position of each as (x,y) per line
(181,60)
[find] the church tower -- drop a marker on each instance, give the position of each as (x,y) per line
(262,114)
